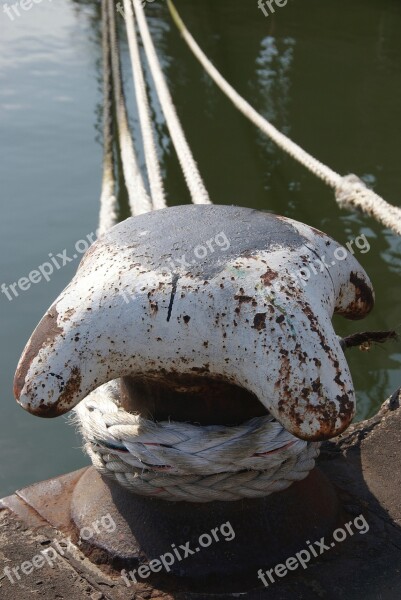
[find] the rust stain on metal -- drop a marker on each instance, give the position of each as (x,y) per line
(259,321)
(318,232)
(44,335)
(274,324)
(364,297)
(154,307)
(242,298)
(315,326)
(284,372)
(269,276)
(63,402)
(327,415)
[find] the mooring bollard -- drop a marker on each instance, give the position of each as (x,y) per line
(213,325)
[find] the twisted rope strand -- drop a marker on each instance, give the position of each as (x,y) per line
(199,194)
(353,193)
(350,190)
(180,461)
(138,197)
(152,161)
(221,486)
(108,201)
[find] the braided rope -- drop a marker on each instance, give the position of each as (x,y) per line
(138,197)
(108,201)
(180,461)
(152,161)
(350,191)
(199,194)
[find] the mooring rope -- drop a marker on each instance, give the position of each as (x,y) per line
(108,200)
(152,162)
(350,191)
(199,194)
(180,461)
(138,197)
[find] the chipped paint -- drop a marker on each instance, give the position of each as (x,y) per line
(240,317)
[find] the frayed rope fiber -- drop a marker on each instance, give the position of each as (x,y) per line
(181,461)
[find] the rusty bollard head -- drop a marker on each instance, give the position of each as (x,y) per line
(205,293)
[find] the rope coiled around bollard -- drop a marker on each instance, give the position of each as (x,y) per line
(180,461)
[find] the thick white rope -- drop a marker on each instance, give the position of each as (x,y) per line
(108,201)
(180,461)
(138,197)
(152,161)
(199,194)
(350,191)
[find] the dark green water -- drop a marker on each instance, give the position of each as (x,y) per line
(327,72)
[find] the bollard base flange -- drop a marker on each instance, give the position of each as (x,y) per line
(363,467)
(204,546)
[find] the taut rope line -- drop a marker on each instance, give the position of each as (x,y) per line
(108,201)
(350,190)
(138,197)
(199,194)
(152,161)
